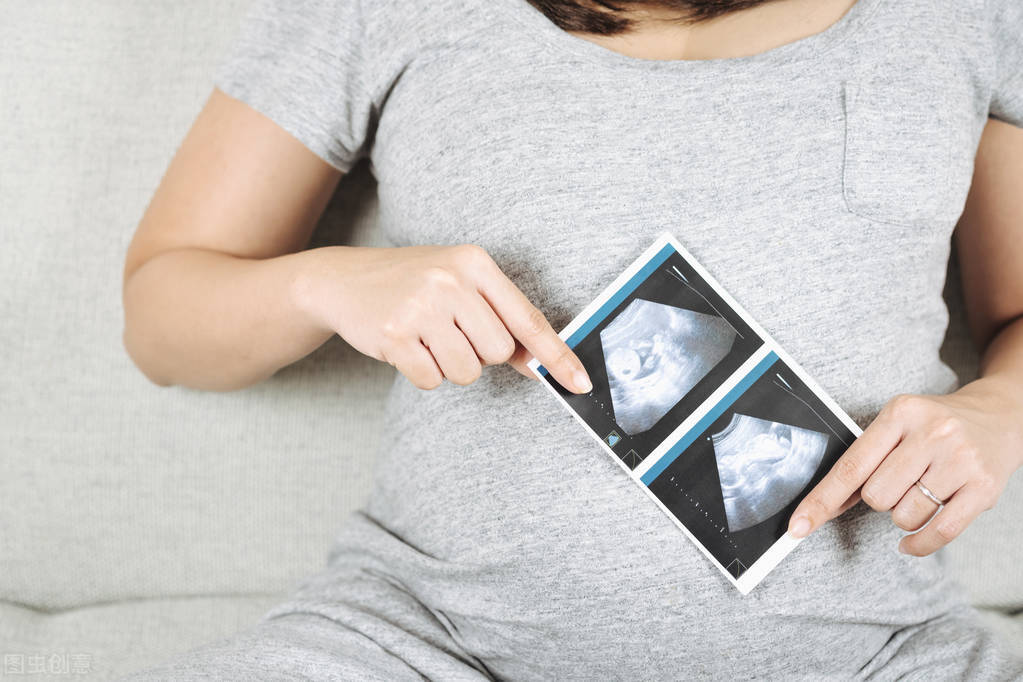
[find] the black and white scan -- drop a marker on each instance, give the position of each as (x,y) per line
(736,484)
(703,408)
(654,354)
(763,465)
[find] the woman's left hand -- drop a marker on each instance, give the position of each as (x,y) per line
(962,447)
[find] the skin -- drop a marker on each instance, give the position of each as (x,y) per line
(219,293)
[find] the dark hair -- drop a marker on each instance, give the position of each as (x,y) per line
(603,16)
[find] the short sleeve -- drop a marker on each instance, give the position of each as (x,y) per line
(305,65)
(1006,17)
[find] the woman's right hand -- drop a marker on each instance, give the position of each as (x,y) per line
(433,312)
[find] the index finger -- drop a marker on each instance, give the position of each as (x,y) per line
(846,477)
(527,324)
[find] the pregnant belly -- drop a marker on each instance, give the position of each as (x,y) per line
(549,562)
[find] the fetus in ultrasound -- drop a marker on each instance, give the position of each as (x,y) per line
(762,466)
(655,354)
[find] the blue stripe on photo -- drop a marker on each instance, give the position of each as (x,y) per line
(709,418)
(616,299)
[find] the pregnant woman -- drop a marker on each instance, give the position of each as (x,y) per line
(814,155)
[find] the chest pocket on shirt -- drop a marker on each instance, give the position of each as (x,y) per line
(898,152)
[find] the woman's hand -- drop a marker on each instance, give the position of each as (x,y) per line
(962,447)
(433,312)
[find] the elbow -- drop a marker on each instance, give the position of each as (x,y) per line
(134,338)
(137,353)
(158,337)
(146,356)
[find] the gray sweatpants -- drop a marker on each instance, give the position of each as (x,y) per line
(356,624)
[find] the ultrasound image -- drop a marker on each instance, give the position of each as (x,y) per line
(654,354)
(762,466)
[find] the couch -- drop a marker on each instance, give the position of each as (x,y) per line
(137,522)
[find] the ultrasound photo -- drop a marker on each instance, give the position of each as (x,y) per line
(655,354)
(654,351)
(702,409)
(762,466)
(734,482)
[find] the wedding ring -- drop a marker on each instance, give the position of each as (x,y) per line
(928,494)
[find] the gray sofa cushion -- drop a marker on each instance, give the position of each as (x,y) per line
(110,640)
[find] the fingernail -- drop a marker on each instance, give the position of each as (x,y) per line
(902,548)
(582,382)
(800,528)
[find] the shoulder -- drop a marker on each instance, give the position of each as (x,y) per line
(964,40)
(399,32)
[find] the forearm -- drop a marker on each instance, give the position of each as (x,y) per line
(212,321)
(1001,367)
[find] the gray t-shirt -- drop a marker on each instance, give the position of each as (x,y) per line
(819,182)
